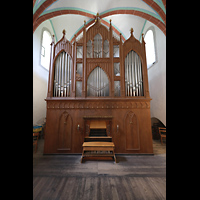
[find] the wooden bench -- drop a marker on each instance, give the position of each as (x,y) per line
(103,149)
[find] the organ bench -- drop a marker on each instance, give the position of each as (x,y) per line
(99,149)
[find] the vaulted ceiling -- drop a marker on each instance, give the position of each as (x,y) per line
(71,14)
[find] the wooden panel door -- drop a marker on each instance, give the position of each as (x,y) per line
(132,132)
(65,132)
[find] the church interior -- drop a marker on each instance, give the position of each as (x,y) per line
(99,99)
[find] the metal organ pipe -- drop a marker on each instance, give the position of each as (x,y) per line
(98,83)
(133,75)
(65,78)
(68,77)
(127,77)
(62,75)
(59,73)
(136,75)
(133,67)
(130,75)
(55,81)
(140,80)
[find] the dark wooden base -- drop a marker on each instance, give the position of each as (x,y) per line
(128,123)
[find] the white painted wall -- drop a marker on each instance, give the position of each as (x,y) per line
(40,75)
(157,76)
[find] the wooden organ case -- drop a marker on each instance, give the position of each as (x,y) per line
(98,78)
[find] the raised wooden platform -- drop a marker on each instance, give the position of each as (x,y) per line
(98,149)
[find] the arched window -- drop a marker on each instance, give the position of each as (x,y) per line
(45,49)
(150,48)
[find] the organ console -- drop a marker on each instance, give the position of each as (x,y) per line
(98,90)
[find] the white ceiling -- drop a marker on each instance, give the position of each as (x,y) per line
(73,22)
(95,6)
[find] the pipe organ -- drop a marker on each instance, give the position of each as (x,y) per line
(98,79)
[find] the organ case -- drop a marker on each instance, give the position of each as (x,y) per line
(95,77)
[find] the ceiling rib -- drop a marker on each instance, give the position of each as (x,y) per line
(38,18)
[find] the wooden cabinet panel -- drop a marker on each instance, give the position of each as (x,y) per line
(65,132)
(132,132)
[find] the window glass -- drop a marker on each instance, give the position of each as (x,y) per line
(89,49)
(106,49)
(78,88)
(117,88)
(150,48)
(98,46)
(45,49)
(79,69)
(116,50)
(79,52)
(117,69)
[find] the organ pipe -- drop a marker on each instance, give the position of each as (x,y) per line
(140,81)
(68,77)
(65,81)
(133,67)
(133,75)
(59,75)
(136,75)
(62,75)
(130,75)
(98,83)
